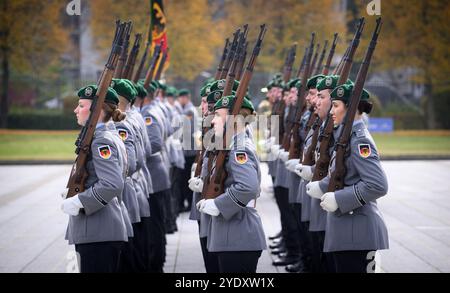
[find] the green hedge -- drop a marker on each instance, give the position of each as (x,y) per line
(38,120)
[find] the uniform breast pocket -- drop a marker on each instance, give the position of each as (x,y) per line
(360,228)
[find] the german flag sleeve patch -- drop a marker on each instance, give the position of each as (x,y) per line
(241,157)
(364,150)
(105,152)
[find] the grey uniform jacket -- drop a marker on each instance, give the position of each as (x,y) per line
(103,217)
(155,164)
(144,179)
(318,216)
(238,227)
(127,133)
(196,196)
(358,224)
(141,183)
(282,174)
(294,178)
(305,199)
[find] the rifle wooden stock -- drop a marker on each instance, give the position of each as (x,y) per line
(326,69)
(151,69)
(242,62)
(313,64)
(322,57)
(162,63)
(140,68)
(78,174)
(302,65)
(338,175)
(124,54)
(230,56)
(295,113)
(290,59)
(222,60)
(214,185)
(131,61)
(308,155)
(325,138)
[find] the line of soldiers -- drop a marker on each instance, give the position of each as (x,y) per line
(135,185)
(326,231)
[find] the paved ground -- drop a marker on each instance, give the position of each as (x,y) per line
(32,226)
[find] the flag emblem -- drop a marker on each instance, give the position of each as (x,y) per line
(105,152)
(241,157)
(364,150)
(123,134)
(148,120)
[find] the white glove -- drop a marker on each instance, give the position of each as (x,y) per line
(199,204)
(283,155)
(275,150)
(297,169)
(270,142)
(290,165)
(306,172)
(329,202)
(313,189)
(191,183)
(72,206)
(209,207)
(176,143)
(198,185)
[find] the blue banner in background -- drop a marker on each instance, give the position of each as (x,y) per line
(381,125)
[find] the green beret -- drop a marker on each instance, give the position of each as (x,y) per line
(89,92)
(228,102)
(344,93)
(171,91)
(330,82)
(141,91)
(219,85)
(213,97)
(155,84)
(162,86)
(124,88)
(298,84)
(183,92)
(205,90)
(277,80)
(313,81)
(150,88)
(292,83)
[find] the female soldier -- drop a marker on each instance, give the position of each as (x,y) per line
(132,260)
(355,228)
(235,232)
(99,231)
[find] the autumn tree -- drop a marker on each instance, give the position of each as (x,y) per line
(416,34)
(192,37)
(31,42)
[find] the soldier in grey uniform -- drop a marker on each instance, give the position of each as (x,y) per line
(131,259)
(97,224)
(176,151)
(166,115)
(188,141)
(355,228)
(142,180)
(303,265)
(281,189)
(235,234)
(160,178)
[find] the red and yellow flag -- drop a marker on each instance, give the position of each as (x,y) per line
(158,33)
